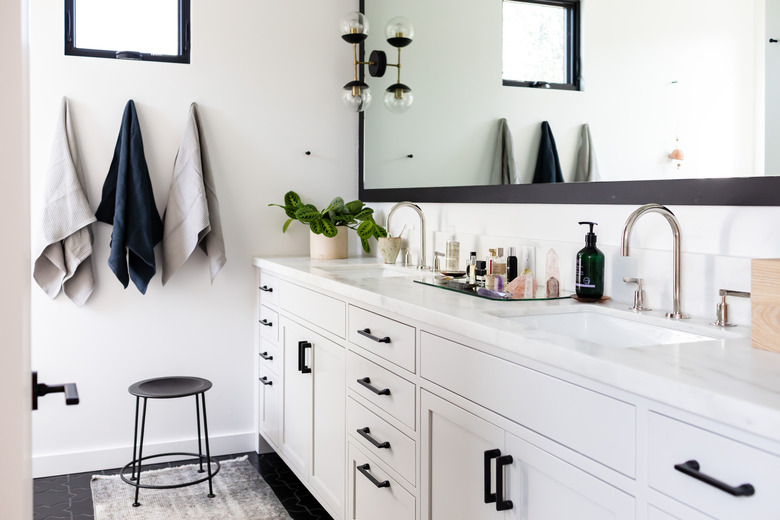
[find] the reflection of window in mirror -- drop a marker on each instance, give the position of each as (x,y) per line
(541,43)
(147,30)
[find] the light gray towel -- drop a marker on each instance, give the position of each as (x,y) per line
(192,216)
(504,164)
(64,242)
(587,166)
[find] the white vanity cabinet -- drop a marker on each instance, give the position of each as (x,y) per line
(267,360)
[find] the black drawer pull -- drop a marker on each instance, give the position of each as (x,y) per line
(302,346)
(501,504)
(266,323)
(265,381)
(691,468)
(265,288)
(367,383)
(364,432)
(489,455)
(367,333)
(364,470)
(266,356)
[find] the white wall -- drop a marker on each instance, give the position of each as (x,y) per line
(15,483)
(267,77)
(772,85)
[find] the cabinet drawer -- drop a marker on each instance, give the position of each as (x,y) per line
(399,450)
(270,357)
(323,311)
(268,322)
(672,442)
(590,423)
(369,501)
(392,340)
(391,393)
(268,388)
(269,288)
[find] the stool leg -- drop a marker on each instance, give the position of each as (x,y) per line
(206,434)
(140,456)
(200,450)
(135,436)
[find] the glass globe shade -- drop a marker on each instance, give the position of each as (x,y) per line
(354,23)
(355,96)
(399,27)
(398,98)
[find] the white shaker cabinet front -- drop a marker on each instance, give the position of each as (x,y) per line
(312,436)
(473,468)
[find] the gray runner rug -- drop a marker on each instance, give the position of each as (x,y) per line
(240,494)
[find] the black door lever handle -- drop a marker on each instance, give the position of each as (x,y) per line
(41,389)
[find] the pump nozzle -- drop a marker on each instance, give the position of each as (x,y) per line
(590,237)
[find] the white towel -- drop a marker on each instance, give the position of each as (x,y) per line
(192,215)
(587,166)
(64,242)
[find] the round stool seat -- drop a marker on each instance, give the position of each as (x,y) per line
(169,387)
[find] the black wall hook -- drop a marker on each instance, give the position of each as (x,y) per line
(307,152)
(410,156)
(772,40)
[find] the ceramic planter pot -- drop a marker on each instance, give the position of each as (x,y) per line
(324,248)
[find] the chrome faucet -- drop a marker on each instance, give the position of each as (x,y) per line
(422,264)
(677,313)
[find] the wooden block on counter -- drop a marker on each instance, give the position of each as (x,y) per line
(765,304)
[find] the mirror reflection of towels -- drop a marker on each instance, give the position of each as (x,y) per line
(504,169)
(587,165)
(548,167)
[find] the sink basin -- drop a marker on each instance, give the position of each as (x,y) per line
(356,272)
(607,330)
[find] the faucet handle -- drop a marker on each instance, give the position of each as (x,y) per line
(437,256)
(639,294)
(722,311)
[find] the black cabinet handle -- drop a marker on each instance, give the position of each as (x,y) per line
(366,381)
(266,323)
(302,346)
(364,432)
(501,504)
(265,381)
(364,470)
(265,288)
(266,356)
(41,389)
(367,333)
(489,455)
(691,468)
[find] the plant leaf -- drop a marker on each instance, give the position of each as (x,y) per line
(336,205)
(364,214)
(316,227)
(354,207)
(292,199)
(366,246)
(329,228)
(308,214)
(379,231)
(366,229)
(290,211)
(287,224)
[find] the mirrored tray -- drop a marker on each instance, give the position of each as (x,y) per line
(453,285)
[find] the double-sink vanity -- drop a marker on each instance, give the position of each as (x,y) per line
(396,400)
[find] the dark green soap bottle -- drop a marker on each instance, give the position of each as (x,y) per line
(590,268)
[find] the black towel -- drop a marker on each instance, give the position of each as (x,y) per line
(548,167)
(128,204)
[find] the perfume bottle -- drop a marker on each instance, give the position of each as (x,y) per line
(452,252)
(499,264)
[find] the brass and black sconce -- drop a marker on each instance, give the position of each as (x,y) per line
(357,95)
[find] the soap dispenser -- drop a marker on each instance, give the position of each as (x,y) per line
(590,268)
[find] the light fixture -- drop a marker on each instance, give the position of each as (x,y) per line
(357,94)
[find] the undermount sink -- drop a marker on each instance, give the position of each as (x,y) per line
(355,272)
(608,330)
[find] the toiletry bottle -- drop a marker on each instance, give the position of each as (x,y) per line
(590,268)
(481,271)
(452,253)
(472,268)
(490,260)
(499,264)
(511,265)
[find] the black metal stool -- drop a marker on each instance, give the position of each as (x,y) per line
(169,388)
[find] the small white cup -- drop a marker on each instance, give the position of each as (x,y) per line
(389,247)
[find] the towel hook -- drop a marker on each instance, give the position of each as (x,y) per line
(307,152)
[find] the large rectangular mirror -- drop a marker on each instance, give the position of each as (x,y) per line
(693,74)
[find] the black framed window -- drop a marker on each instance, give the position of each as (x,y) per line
(147,30)
(541,43)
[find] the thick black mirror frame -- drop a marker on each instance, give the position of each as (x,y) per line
(735,191)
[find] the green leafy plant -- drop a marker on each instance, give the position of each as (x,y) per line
(355,215)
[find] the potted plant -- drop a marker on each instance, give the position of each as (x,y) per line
(326,239)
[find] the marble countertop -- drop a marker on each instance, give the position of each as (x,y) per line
(723,379)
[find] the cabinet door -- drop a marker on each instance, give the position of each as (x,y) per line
(453,462)
(296,427)
(542,486)
(374,494)
(268,402)
(329,437)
